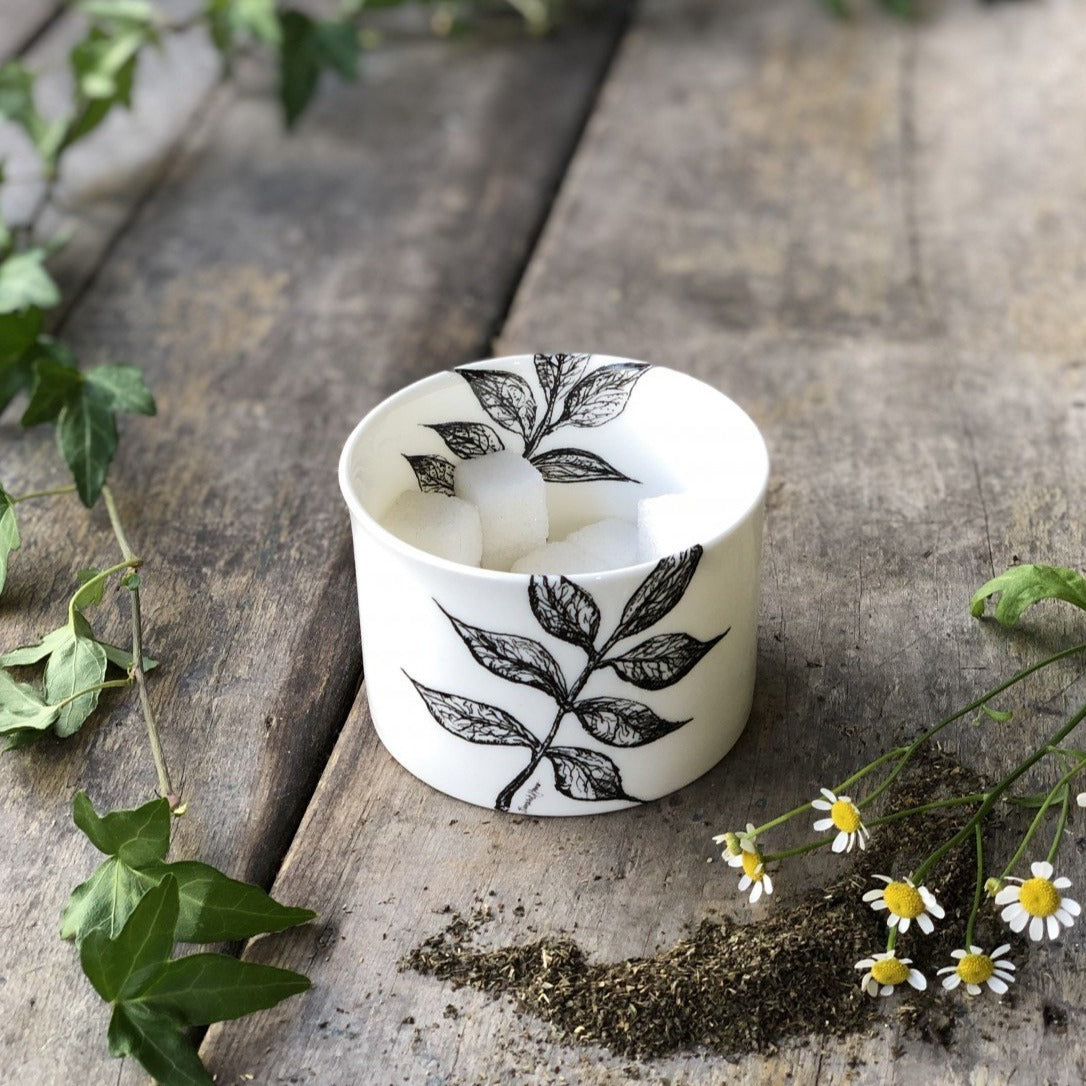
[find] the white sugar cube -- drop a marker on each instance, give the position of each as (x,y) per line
(674,522)
(511,498)
(557,558)
(437,523)
(612,543)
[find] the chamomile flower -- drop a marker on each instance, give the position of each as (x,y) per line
(975,968)
(905,902)
(886,971)
(844,816)
(1038,902)
(755,877)
(736,845)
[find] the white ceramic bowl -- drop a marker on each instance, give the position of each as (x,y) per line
(562,695)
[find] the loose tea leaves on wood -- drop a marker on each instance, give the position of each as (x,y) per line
(730,988)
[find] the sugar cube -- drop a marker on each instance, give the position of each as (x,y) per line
(437,523)
(562,557)
(511,498)
(611,543)
(674,522)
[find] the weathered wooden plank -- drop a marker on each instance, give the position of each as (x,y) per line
(274,288)
(20,20)
(846,227)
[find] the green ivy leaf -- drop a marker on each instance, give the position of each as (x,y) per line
(125,13)
(229,20)
(212,906)
(123,388)
(33,654)
(87,438)
(104,67)
(9,533)
(309,47)
(158,1043)
(76,665)
(56,382)
(24,282)
(18,335)
(92,591)
(137,837)
(17,105)
(1023,586)
(22,708)
(122,658)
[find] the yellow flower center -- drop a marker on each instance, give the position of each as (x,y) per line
(752,866)
(845,816)
(975,968)
(890,971)
(1039,897)
(903,900)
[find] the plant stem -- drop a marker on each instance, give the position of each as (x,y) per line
(55,492)
(132,562)
(1038,818)
(108,684)
(973,705)
(1061,824)
(165,786)
(978,893)
(998,791)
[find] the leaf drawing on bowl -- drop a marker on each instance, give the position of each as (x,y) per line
(569,395)
(568,612)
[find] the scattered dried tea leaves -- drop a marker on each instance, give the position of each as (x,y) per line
(737,988)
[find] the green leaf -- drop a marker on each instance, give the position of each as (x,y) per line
(123,967)
(1000,716)
(308,47)
(1023,586)
(17,105)
(22,707)
(123,388)
(9,533)
(138,837)
(104,66)
(90,595)
(215,908)
(158,1043)
(32,654)
(232,19)
(133,13)
(122,658)
(24,282)
(106,900)
(87,437)
(56,383)
(75,666)
(206,988)
(18,335)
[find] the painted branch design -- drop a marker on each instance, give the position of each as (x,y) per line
(567,611)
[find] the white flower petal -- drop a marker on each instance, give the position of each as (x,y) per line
(917,980)
(1041,869)
(871,895)
(902,922)
(1008,893)
(936,910)
(828,794)
(767,882)
(887,990)
(1053,927)
(997,985)
(862,838)
(840,843)
(1061,883)
(957,954)
(1019,920)
(820,805)
(865,963)
(823,824)
(1000,951)
(1037,929)
(926,926)
(744,882)
(883,878)
(1007,978)
(1072,907)
(756,893)
(972,989)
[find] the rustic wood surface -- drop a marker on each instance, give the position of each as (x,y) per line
(274,288)
(869,234)
(861,232)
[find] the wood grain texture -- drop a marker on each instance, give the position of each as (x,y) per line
(861,232)
(20,20)
(274,288)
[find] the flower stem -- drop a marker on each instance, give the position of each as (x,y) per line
(108,684)
(917,743)
(55,492)
(1038,818)
(995,793)
(978,893)
(1061,824)
(165,785)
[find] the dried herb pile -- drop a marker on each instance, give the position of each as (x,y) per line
(733,988)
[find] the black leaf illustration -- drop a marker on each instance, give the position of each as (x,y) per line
(659,592)
(510,656)
(546,369)
(468,439)
(506,397)
(474,720)
(621,722)
(585,774)
(565,610)
(434,473)
(571,367)
(601,395)
(576,466)
(661,660)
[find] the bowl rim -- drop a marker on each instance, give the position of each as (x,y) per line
(382,536)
